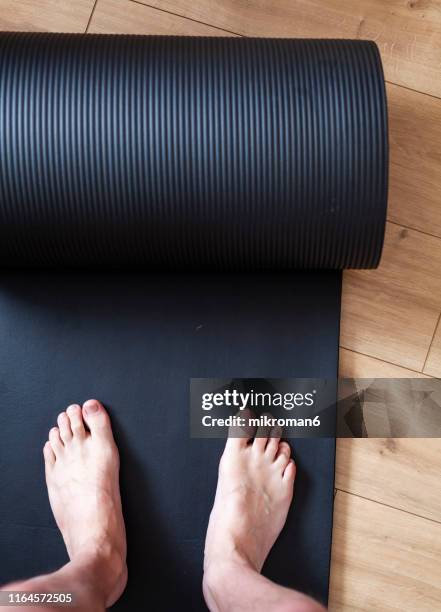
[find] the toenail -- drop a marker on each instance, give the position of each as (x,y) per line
(91,407)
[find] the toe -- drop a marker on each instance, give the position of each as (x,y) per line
(289,474)
(96,418)
(64,427)
(283,455)
(262,436)
(240,435)
(48,453)
(55,440)
(273,443)
(76,421)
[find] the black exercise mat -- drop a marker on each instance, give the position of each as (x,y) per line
(203,168)
(122,339)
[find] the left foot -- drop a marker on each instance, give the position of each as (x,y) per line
(82,476)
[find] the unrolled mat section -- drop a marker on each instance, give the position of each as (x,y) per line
(174,208)
(135,342)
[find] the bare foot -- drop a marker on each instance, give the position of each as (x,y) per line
(82,476)
(254,492)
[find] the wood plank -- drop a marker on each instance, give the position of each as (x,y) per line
(383,559)
(45,15)
(355,365)
(433,364)
(125,17)
(407,33)
(386,470)
(415,159)
(403,473)
(391,313)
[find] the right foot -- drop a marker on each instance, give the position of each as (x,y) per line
(254,492)
(82,476)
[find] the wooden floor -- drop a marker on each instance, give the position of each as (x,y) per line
(387,531)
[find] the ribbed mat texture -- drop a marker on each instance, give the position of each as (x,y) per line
(175,152)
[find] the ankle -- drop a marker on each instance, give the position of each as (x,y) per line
(101,568)
(224,580)
(223,576)
(231,552)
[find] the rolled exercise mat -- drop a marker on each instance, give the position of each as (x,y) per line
(207,193)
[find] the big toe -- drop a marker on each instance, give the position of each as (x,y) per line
(240,434)
(96,418)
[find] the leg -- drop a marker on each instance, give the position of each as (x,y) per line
(254,492)
(82,476)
